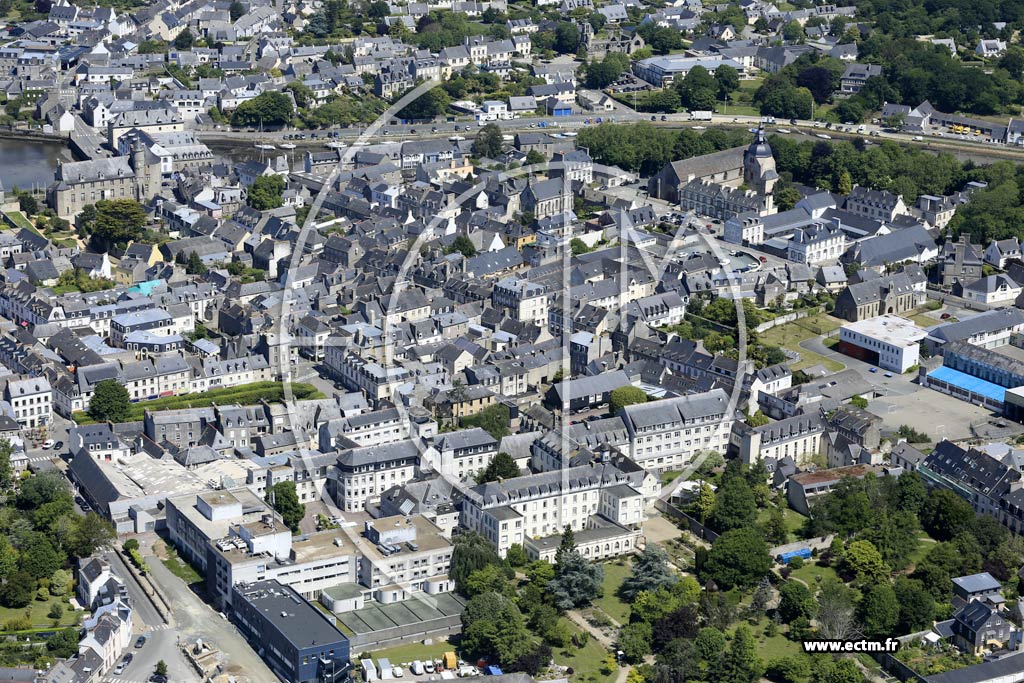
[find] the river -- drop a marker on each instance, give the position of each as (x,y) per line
(32,163)
(29,163)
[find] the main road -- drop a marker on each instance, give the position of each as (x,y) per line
(399,132)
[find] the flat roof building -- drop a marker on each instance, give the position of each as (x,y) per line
(888,341)
(296,640)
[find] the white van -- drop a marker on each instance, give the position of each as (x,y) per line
(416,668)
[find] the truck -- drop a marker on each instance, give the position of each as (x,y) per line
(701,115)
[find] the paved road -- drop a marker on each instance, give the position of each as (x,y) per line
(468,128)
(194,619)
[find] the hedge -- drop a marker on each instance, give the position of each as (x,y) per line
(244,394)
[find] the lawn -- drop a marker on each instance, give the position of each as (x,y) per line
(778,645)
(19,220)
(922,320)
(410,652)
(668,477)
(586,662)
(610,603)
(812,574)
(39,609)
(180,568)
(924,544)
(244,394)
(790,335)
(794,520)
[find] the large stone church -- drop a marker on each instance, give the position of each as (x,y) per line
(722,184)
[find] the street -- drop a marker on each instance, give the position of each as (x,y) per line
(622,114)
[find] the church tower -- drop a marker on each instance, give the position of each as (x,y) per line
(759,172)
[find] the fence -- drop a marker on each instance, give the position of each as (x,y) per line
(898,668)
(695,527)
(783,319)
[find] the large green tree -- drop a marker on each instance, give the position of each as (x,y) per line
(492,625)
(114,222)
(286,503)
(269,109)
(110,402)
(471,552)
(488,142)
(738,558)
(501,466)
(577,581)
(651,571)
(266,192)
(625,396)
(879,610)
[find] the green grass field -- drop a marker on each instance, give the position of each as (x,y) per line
(180,568)
(813,575)
(19,220)
(37,613)
(586,662)
(790,335)
(772,647)
(244,394)
(403,654)
(610,603)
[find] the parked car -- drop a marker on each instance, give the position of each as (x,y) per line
(945,316)
(888,374)
(140,641)
(872,369)
(59,445)
(48,444)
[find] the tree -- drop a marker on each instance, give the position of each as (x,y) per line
(195,265)
(945,514)
(378,9)
(728,80)
(184,40)
(501,466)
(285,501)
(698,90)
(795,600)
(879,610)
(704,504)
(578,246)
(488,142)
(91,532)
(625,396)
(567,38)
(161,668)
(60,582)
(740,663)
(236,11)
(39,559)
(494,419)
(6,470)
(266,192)
(463,245)
(836,611)
(28,204)
(110,402)
(862,559)
(115,222)
(917,606)
(301,92)
(534,157)
(635,641)
(56,611)
(651,571)
(270,108)
(489,578)
(18,590)
(471,552)
(516,555)
(911,492)
(737,558)
(577,581)
(793,31)
(429,105)
(63,643)
(735,505)
(838,671)
(792,669)
(492,625)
